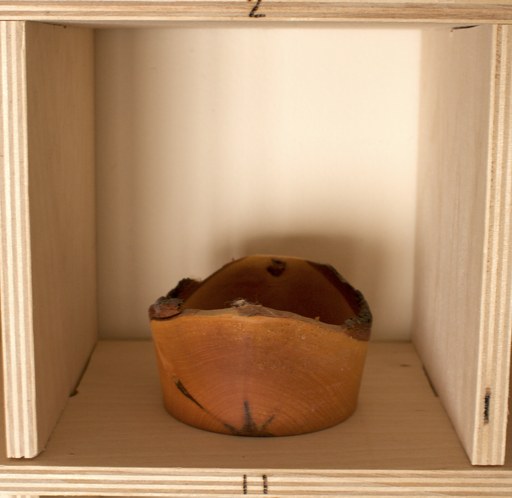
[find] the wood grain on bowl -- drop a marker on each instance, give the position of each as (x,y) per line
(266,346)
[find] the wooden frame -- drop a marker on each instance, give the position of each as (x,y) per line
(463,271)
(129,11)
(46,73)
(39,319)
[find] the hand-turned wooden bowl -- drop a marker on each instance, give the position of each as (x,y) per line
(266,346)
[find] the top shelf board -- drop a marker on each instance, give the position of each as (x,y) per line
(129,12)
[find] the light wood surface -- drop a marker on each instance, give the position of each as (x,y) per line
(16,295)
(134,11)
(17,496)
(462,320)
(115,438)
(493,389)
(118,419)
(195,483)
(60,114)
(48,229)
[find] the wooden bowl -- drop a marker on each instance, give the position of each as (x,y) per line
(266,346)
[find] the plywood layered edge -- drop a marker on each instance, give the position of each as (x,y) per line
(128,11)
(48,231)
(463,269)
(491,401)
(184,483)
(16,274)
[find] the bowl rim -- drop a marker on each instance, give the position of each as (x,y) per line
(358,326)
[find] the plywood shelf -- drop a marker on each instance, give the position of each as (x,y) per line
(117,418)
(114,437)
(139,12)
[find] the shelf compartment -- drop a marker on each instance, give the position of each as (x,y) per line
(49,322)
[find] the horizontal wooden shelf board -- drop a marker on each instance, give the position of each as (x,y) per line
(197,482)
(160,10)
(116,439)
(117,419)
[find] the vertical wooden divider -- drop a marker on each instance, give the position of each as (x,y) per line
(47,221)
(462,326)
(17,321)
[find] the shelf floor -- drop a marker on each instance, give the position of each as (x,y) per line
(117,419)
(115,438)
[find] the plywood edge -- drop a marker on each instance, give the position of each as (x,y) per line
(115,11)
(80,481)
(16,280)
(496,309)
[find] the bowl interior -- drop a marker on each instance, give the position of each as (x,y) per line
(286,284)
